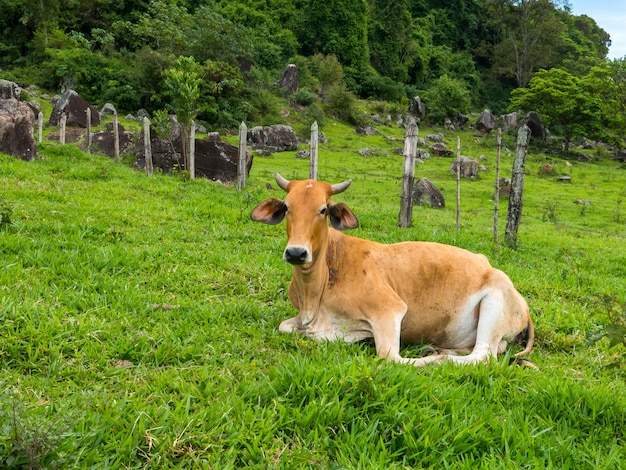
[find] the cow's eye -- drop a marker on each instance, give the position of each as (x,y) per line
(323,211)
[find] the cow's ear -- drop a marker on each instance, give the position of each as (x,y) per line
(341,217)
(271,211)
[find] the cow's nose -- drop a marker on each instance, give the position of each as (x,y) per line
(295,255)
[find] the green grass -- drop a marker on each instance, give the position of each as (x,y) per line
(139,316)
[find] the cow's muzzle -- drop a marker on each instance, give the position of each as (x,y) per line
(297,255)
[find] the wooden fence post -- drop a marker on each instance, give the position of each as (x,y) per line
(517,187)
(243,156)
(406,199)
(147,149)
(314,142)
(496,196)
(192,150)
(88,111)
(62,131)
(116,138)
(458,184)
(40,127)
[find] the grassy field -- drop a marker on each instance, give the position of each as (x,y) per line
(139,315)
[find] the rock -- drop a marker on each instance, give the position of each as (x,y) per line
(504,191)
(537,129)
(417,108)
(107,109)
(276,138)
(9,90)
(303,154)
(460,120)
(469,167)
(289,79)
(368,130)
(485,122)
(620,156)
(425,192)
(447,125)
(564,179)
(104,142)
(215,160)
(17,128)
(440,150)
(75,108)
(437,138)
(508,121)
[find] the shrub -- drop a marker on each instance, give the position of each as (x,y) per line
(446,98)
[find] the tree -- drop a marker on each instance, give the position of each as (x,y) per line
(183,83)
(561,98)
(390,38)
(531,31)
(336,27)
(447,98)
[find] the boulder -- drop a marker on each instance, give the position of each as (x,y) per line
(509,121)
(75,108)
(214,159)
(620,156)
(276,138)
(104,142)
(17,129)
(368,130)
(460,120)
(537,129)
(289,79)
(426,193)
(9,90)
(469,167)
(440,150)
(417,108)
(447,125)
(485,122)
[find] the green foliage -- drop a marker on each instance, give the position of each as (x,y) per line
(337,27)
(446,98)
(614,330)
(342,104)
(562,98)
(304,97)
(183,83)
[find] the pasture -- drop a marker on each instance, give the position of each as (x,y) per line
(139,316)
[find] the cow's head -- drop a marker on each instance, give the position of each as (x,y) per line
(307,207)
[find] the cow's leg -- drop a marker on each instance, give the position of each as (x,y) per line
(492,326)
(293,325)
(386,328)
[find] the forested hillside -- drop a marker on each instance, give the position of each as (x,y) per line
(458,56)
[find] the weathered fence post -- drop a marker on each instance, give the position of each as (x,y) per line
(517,187)
(88,111)
(62,131)
(314,141)
(192,150)
(116,138)
(147,149)
(458,184)
(243,156)
(496,196)
(406,199)
(40,127)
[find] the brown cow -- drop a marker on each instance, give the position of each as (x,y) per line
(351,289)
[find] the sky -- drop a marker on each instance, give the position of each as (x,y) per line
(610,15)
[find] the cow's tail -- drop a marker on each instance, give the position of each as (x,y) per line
(527,337)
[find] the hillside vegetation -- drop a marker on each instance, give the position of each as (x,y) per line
(139,316)
(218,61)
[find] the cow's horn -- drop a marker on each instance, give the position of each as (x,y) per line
(341,187)
(282,182)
